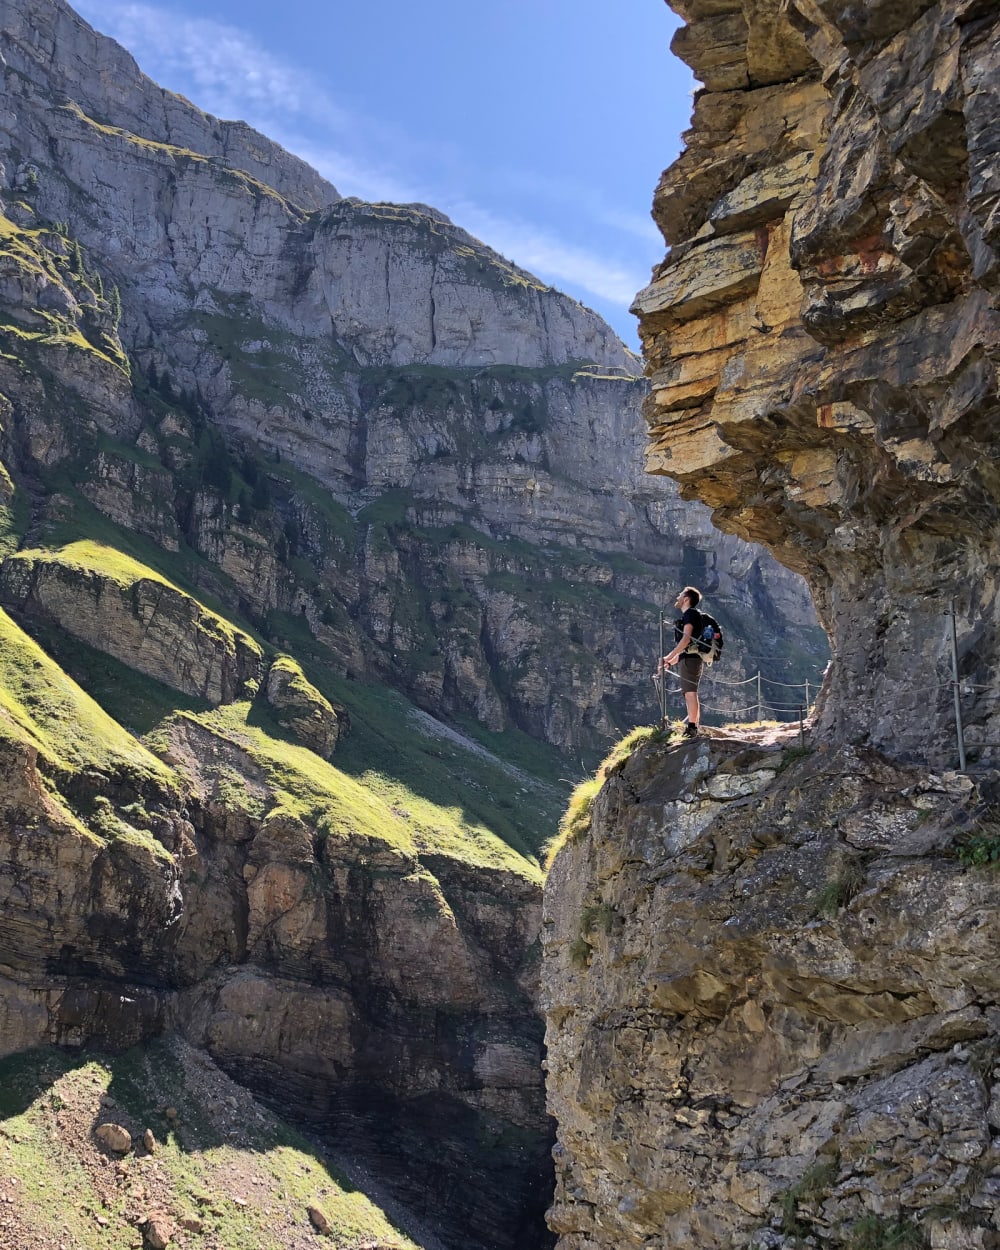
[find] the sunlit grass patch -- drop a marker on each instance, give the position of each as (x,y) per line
(388,778)
(510,788)
(393,776)
(96,557)
(221,1159)
(88,556)
(575,823)
(41,705)
(375,804)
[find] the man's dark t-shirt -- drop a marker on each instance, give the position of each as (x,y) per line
(691,617)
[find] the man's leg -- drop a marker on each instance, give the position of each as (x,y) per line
(690,673)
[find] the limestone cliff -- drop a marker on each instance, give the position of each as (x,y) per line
(356,413)
(276,467)
(774,1006)
(356,942)
(822,336)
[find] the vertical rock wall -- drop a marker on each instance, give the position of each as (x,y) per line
(822,337)
(769,974)
(774,1007)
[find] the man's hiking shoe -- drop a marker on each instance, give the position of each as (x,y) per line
(690,731)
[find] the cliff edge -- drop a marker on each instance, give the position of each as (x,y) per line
(773,1005)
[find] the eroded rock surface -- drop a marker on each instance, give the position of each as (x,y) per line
(301,709)
(822,337)
(773,1007)
(145,622)
(369,443)
(386,999)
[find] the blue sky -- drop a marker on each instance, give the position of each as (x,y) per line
(541,126)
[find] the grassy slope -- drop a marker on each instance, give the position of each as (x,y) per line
(40,704)
(482,782)
(393,785)
(224,1160)
(388,780)
(388,777)
(575,822)
(125,571)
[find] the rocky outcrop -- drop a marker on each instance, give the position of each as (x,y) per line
(37,38)
(363,437)
(305,941)
(772,1008)
(301,709)
(403,285)
(773,1005)
(124,610)
(822,339)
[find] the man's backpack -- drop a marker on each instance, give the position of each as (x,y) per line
(709,642)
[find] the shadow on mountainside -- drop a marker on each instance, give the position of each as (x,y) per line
(471,1175)
(389,749)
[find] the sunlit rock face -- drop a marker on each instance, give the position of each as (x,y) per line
(770,1019)
(822,337)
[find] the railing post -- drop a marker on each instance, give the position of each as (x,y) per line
(663,679)
(958,702)
(760,700)
(808,704)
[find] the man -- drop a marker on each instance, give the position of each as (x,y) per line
(689,662)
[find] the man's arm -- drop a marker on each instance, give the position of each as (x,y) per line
(681,647)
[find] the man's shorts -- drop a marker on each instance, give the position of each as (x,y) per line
(689,671)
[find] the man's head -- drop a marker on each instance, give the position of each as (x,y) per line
(692,595)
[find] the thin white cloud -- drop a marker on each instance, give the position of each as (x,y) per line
(639,225)
(584,198)
(226,72)
(550,258)
(232,74)
(350,174)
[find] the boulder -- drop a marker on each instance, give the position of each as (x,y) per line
(114,1138)
(300,708)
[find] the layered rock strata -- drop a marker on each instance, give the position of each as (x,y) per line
(773,1006)
(381,451)
(822,337)
(149,625)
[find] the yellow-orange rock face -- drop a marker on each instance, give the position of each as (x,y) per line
(822,337)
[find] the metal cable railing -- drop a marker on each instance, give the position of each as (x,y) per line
(712,686)
(762,708)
